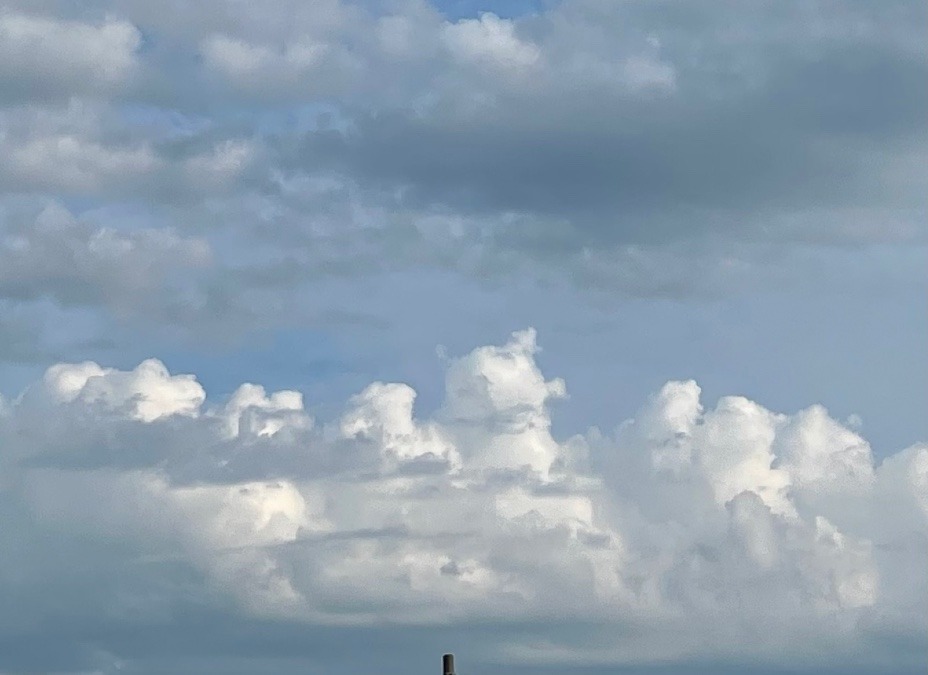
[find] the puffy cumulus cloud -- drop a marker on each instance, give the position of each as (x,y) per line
(147,393)
(497,400)
(490,41)
(48,56)
(727,533)
(383,415)
(252,412)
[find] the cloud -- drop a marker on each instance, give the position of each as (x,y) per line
(96,152)
(63,149)
(490,41)
(73,262)
(730,534)
(49,57)
(174,175)
(257,66)
(635,131)
(147,393)
(640,148)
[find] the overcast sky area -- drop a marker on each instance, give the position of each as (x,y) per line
(575,337)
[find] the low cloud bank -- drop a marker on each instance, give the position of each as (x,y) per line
(726,532)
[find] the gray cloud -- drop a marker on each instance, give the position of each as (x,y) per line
(754,130)
(646,147)
(49,57)
(78,263)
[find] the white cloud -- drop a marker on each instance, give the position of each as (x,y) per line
(823,455)
(147,393)
(383,414)
(705,516)
(252,412)
(489,41)
(496,401)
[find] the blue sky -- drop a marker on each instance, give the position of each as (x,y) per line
(577,334)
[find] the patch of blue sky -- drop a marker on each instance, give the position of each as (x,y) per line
(309,361)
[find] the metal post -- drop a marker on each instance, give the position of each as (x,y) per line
(447,664)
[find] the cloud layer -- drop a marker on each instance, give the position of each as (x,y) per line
(312,195)
(635,147)
(727,534)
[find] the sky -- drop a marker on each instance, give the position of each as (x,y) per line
(571,336)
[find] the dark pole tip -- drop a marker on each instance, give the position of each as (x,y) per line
(447,663)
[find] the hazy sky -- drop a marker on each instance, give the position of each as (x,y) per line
(575,337)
